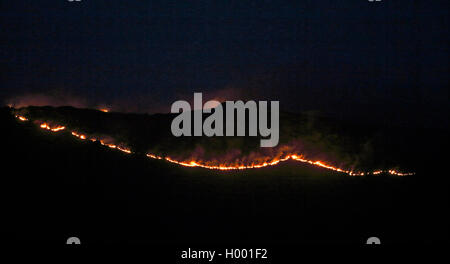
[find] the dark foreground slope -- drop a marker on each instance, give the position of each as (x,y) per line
(54,187)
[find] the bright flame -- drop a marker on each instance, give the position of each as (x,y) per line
(124,150)
(22,118)
(104,110)
(80,136)
(225,167)
(295,157)
(53,129)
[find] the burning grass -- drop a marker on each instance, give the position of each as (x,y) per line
(235,161)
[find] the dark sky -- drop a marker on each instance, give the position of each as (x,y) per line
(331,56)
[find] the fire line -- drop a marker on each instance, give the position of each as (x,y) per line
(223,167)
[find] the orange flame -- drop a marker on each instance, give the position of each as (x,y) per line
(294,157)
(22,118)
(80,136)
(226,167)
(53,129)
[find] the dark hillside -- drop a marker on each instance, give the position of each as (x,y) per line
(357,146)
(55,186)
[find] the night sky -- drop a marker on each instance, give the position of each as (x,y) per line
(386,58)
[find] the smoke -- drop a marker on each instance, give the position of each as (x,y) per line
(47,100)
(138,104)
(208,153)
(228,93)
(320,149)
(150,104)
(143,103)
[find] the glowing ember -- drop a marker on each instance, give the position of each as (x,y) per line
(226,167)
(393,172)
(104,110)
(154,156)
